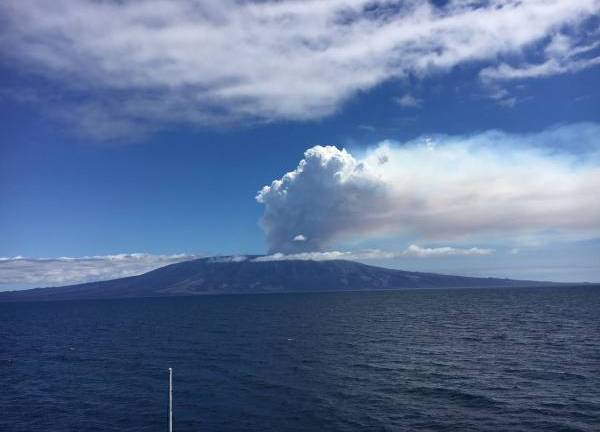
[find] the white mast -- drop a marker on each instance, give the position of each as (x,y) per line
(170,400)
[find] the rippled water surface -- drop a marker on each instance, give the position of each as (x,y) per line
(438,360)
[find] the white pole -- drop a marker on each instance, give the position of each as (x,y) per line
(170,400)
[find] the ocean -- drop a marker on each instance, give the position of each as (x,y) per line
(419,360)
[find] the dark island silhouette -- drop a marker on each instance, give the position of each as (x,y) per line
(235,275)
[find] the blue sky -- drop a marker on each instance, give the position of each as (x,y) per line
(157,139)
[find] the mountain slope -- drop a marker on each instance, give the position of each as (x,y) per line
(227,276)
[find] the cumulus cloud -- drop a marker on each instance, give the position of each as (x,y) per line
(142,63)
(489,185)
(329,188)
(21,271)
(376,254)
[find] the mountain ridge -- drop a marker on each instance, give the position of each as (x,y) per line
(240,275)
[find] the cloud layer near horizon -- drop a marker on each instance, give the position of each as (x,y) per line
(413,251)
(22,271)
(486,186)
(144,63)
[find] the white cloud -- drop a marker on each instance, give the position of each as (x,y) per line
(487,186)
(16,271)
(408,101)
(229,259)
(501,96)
(300,238)
(376,254)
(317,256)
(420,252)
(549,67)
(142,63)
(563,54)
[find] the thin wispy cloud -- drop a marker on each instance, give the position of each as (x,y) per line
(413,251)
(563,54)
(135,66)
(408,101)
(480,187)
(22,271)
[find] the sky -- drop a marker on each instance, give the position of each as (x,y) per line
(460,137)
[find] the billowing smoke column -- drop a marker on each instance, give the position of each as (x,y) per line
(488,186)
(328,194)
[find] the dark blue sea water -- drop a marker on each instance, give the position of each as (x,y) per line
(431,360)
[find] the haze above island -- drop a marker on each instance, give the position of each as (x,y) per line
(451,137)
